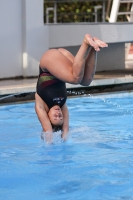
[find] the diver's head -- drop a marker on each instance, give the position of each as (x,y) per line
(55,116)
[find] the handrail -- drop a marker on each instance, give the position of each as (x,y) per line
(124,13)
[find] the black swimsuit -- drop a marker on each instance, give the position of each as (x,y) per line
(51,90)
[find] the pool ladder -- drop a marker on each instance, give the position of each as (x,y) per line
(115,10)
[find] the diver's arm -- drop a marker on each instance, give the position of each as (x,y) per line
(65,127)
(42,115)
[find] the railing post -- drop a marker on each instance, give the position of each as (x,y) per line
(47,14)
(55,15)
(103,12)
(55,12)
(131,16)
(95,9)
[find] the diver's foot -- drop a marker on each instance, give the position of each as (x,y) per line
(100,42)
(94,42)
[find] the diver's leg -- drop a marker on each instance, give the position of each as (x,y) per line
(63,68)
(91,62)
(67,54)
(90,67)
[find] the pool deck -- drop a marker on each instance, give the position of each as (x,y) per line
(105,78)
(100,79)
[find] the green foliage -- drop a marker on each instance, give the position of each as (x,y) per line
(72,11)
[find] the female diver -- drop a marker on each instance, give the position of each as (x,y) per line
(58,66)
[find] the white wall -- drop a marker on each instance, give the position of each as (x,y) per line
(10,38)
(72,34)
(23,37)
(35,36)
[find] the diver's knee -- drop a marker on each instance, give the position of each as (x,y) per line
(86,83)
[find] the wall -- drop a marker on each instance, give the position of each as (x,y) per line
(24,38)
(111,58)
(35,36)
(10,38)
(70,36)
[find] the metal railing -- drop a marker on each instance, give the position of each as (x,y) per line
(75,18)
(51,14)
(102,11)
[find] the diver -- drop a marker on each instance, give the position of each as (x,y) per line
(57,67)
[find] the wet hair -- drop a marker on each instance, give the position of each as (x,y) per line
(56,127)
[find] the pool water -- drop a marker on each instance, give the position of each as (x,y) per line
(96,162)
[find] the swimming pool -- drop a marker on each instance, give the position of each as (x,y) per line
(95,163)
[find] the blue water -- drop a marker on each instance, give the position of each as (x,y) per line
(96,163)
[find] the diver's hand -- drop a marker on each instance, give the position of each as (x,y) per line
(47,136)
(64,136)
